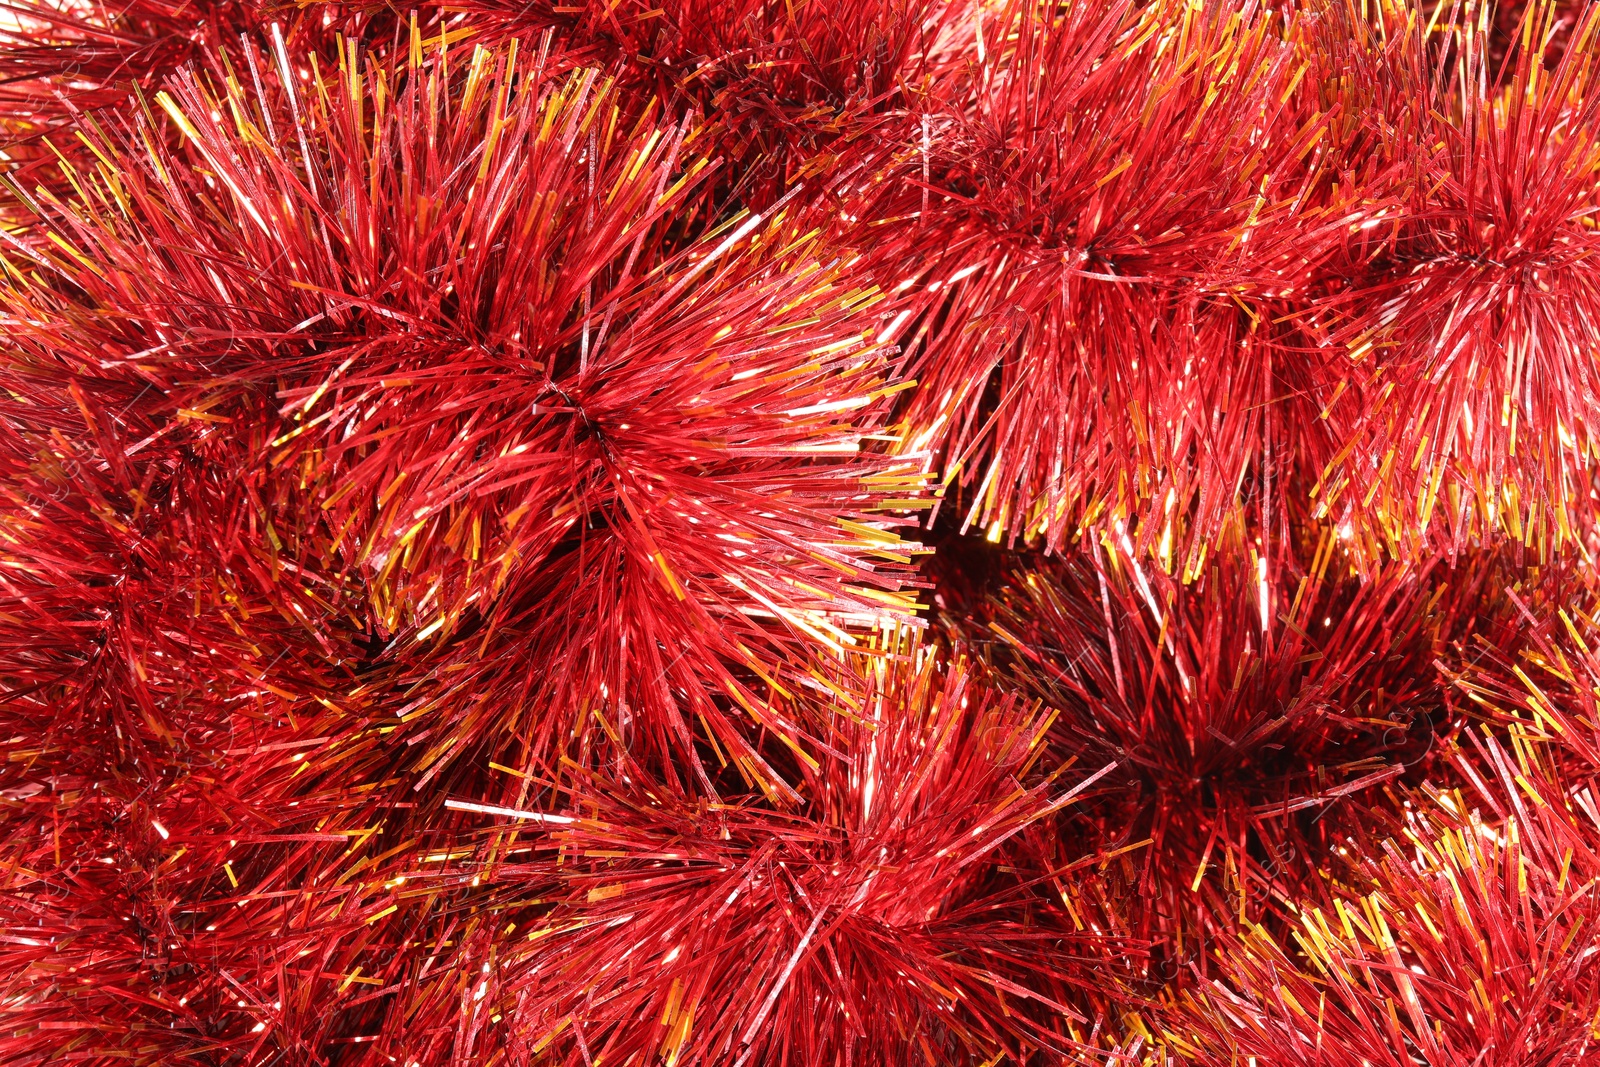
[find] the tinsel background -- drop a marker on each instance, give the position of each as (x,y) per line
(800,533)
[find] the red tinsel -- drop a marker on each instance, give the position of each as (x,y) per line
(918,531)
(1458,940)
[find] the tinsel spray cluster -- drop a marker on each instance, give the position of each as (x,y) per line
(744,533)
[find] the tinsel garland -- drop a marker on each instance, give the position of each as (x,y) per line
(784,534)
